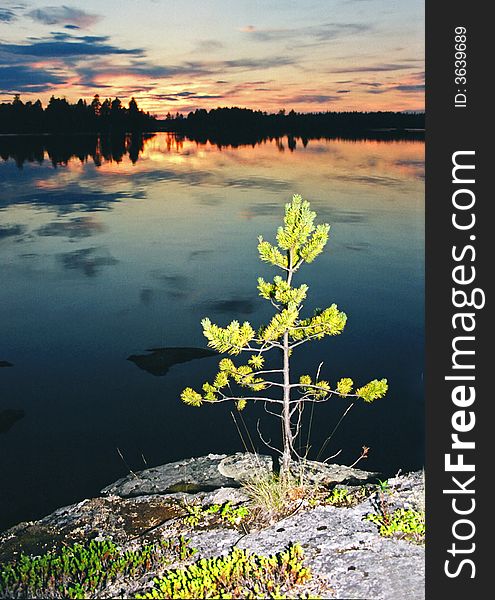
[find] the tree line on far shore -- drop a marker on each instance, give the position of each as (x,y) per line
(219,125)
(61,116)
(223,125)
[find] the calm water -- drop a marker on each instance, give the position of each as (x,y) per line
(103,258)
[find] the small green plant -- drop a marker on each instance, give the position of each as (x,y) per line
(342,497)
(240,574)
(404,523)
(339,497)
(82,570)
(228,514)
(299,241)
(272,494)
(383,486)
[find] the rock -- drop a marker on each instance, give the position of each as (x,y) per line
(190,476)
(329,474)
(347,555)
(9,417)
(159,360)
(224,495)
(120,519)
(242,465)
(409,490)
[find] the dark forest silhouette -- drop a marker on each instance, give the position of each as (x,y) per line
(221,126)
(112,131)
(60,116)
(238,126)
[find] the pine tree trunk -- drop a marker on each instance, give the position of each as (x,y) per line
(286,426)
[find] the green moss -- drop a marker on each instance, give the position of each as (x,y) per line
(403,523)
(240,574)
(225,513)
(80,570)
(342,497)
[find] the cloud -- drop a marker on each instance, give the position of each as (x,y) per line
(320,33)
(91,75)
(63,45)
(208,46)
(89,61)
(63,15)
(23,78)
(175,97)
(7,15)
(252,63)
(410,88)
(373,84)
(312,98)
(378,68)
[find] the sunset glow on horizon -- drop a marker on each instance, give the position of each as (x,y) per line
(320,55)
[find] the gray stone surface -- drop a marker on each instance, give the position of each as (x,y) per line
(224,495)
(410,489)
(243,465)
(190,475)
(348,557)
(330,474)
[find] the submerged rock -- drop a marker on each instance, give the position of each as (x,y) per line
(159,361)
(9,417)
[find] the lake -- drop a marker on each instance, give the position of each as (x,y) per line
(110,249)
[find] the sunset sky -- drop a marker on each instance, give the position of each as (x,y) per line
(311,55)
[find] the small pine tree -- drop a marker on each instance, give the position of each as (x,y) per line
(299,242)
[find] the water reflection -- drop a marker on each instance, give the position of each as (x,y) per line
(159,360)
(59,150)
(101,260)
(87,260)
(241,306)
(79,227)
(9,417)
(11,230)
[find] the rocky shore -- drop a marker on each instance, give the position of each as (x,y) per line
(345,552)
